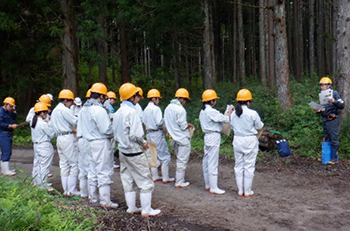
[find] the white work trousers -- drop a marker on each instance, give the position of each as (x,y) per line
(182,153)
(100,166)
(135,173)
(68,154)
(158,138)
(84,158)
(43,153)
(246,150)
(211,154)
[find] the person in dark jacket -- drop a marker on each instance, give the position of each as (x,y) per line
(7,116)
(330,119)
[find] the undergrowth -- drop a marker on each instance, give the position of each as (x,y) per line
(24,207)
(299,125)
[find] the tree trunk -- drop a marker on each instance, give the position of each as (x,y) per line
(311,37)
(70,48)
(241,45)
(298,40)
(123,51)
(281,57)
(262,45)
(343,53)
(320,39)
(271,47)
(209,80)
(234,45)
(102,50)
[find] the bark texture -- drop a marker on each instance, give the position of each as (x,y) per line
(281,57)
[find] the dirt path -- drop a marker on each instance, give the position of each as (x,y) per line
(290,194)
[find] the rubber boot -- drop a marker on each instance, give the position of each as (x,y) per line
(130,199)
(64,181)
(93,195)
(155,176)
(334,157)
(180,180)
(83,185)
(165,174)
(5,169)
(239,182)
(72,186)
(147,210)
(213,182)
(206,181)
(105,197)
(248,192)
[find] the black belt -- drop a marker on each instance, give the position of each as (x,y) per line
(132,154)
(153,130)
(65,133)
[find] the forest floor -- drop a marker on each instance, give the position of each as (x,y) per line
(291,193)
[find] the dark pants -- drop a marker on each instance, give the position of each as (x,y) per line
(6,146)
(331,132)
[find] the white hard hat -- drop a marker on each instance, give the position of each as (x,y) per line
(77,101)
(50,95)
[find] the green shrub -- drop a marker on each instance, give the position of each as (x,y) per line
(24,207)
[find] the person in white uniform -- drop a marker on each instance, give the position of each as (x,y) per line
(154,121)
(246,124)
(211,123)
(138,107)
(42,133)
(84,155)
(175,118)
(63,121)
(134,169)
(43,98)
(95,126)
(76,107)
(47,100)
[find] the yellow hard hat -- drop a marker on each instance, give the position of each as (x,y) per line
(10,101)
(45,99)
(127,90)
(153,93)
(140,91)
(325,80)
(244,95)
(99,88)
(66,94)
(111,95)
(209,95)
(40,106)
(182,93)
(88,93)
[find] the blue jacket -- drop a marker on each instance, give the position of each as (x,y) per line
(331,109)
(6,118)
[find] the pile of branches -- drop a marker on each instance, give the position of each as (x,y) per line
(268,138)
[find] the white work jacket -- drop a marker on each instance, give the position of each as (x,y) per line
(211,119)
(30,115)
(63,119)
(139,111)
(175,118)
(42,132)
(152,116)
(127,129)
(247,124)
(94,123)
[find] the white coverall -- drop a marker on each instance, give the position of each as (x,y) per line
(211,123)
(63,121)
(246,147)
(175,118)
(95,126)
(153,121)
(128,132)
(134,170)
(43,151)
